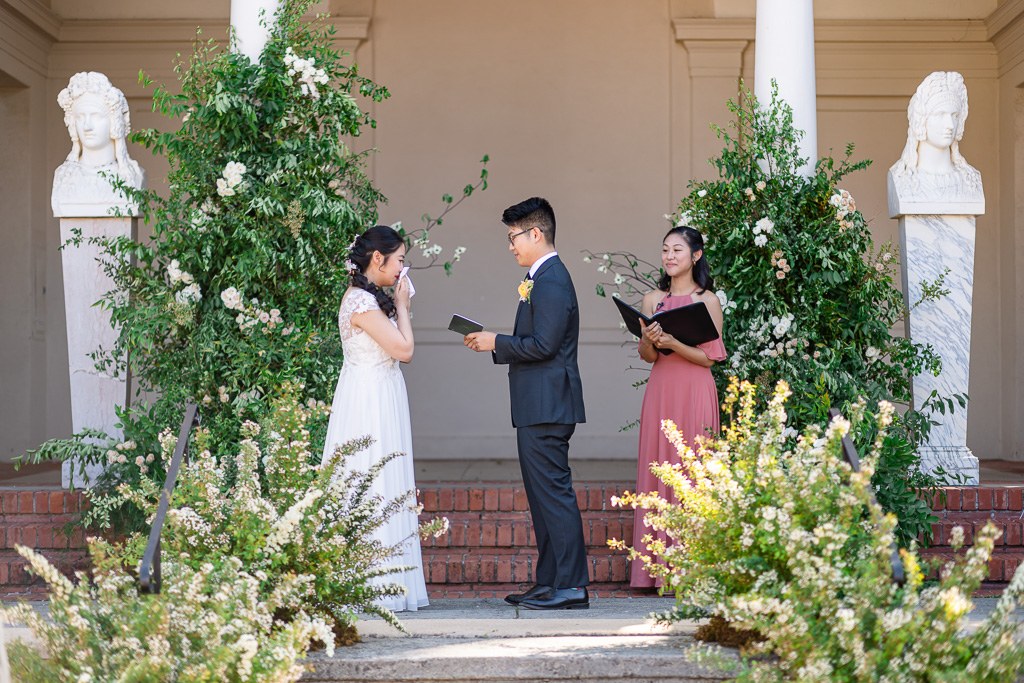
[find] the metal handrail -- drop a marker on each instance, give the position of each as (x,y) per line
(850,454)
(149,570)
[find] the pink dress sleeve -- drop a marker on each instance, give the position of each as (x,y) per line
(715,349)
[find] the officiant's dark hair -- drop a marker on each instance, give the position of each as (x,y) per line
(535,212)
(701,269)
(387,241)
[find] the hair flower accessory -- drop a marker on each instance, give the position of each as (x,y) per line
(350,266)
(525,287)
(355,241)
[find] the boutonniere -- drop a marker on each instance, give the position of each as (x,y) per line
(525,287)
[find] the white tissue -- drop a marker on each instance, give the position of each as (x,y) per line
(405,274)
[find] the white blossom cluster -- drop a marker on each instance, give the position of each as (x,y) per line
(231,178)
(211,623)
(728,305)
(844,205)
(191,293)
(431,250)
(251,314)
(762,229)
(306,72)
(201,216)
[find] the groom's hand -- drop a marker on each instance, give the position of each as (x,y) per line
(480,341)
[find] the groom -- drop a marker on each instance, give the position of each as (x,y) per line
(547,404)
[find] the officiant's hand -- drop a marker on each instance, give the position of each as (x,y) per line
(652,333)
(480,341)
(667,341)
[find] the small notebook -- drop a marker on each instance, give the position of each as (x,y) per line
(464,326)
(690,324)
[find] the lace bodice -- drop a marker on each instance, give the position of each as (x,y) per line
(360,349)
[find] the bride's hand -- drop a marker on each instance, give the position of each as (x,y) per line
(402,297)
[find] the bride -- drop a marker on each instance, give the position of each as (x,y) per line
(371,398)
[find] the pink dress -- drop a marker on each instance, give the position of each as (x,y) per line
(685,393)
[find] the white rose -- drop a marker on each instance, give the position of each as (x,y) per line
(702,193)
(765,225)
(761,240)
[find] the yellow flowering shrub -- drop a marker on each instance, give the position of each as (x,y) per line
(789,542)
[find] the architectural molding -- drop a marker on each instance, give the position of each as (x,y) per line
(36,14)
(180,30)
(715,58)
(1006,31)
(844,31)
(23,41)
(1003,16)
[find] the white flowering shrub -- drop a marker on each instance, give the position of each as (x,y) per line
(238,288)
(272,505)
(780,537)
(210,623)
(807,296)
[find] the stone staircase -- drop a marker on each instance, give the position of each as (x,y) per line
(489,548)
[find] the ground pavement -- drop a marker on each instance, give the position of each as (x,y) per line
(488,641)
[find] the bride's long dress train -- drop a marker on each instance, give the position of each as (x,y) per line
(371,399)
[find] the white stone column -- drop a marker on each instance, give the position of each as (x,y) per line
(252,20)
(784,52)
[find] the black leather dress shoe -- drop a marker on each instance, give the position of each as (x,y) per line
(560,598)
(537,591)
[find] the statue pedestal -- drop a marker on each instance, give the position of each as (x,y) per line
(930,244)
(94,395)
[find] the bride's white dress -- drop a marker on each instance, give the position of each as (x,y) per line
(371,399)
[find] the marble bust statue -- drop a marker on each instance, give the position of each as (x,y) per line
(97,117)
(932,177)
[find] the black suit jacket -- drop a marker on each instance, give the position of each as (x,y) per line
(541,353)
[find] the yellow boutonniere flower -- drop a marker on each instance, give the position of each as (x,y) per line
(525,287)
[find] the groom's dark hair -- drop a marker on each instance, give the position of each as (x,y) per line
(535,212)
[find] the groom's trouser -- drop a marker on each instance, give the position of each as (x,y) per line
(544,459)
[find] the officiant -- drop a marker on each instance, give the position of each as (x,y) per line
(681,387)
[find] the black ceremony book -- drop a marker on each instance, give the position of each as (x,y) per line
(690,324)
(464,326)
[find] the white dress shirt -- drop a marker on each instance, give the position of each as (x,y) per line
(537,264)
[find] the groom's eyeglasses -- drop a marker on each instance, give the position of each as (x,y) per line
(512,238)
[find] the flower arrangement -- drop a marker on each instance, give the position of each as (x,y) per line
(784,541)
(807,295)
(211,623)
(304,522)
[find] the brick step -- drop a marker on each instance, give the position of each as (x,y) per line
(14,572)
(516,567)
(978,498)
(450,497)
(513,529)
(499,590)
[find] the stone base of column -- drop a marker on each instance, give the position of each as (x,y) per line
(94,394)
(954,460)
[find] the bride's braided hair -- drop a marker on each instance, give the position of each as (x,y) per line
(387,241)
